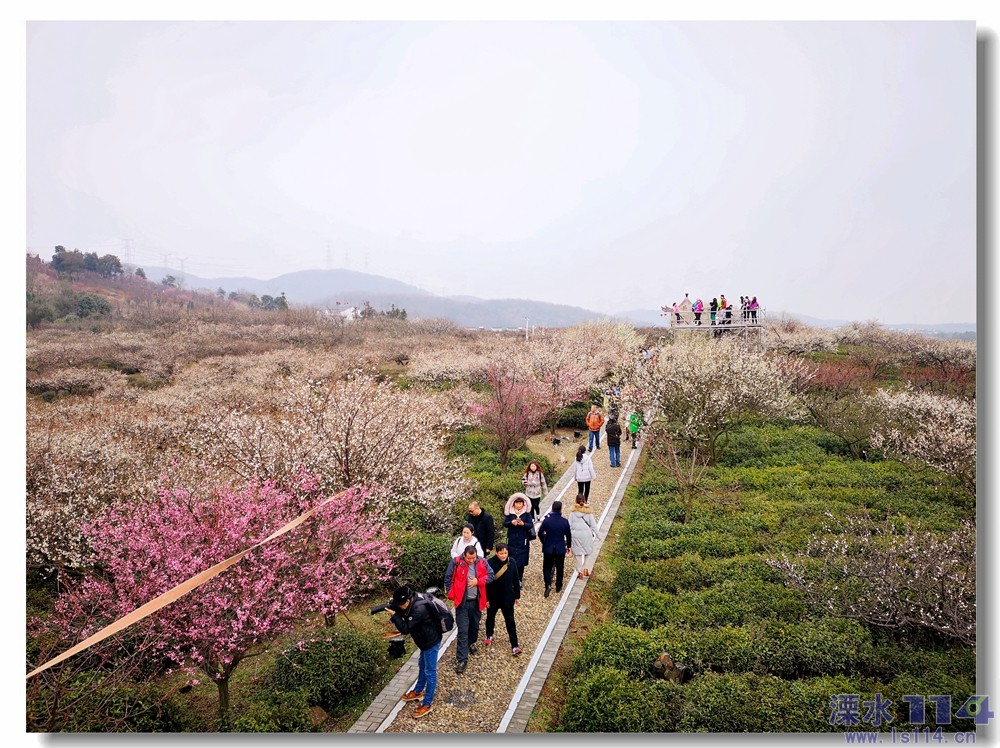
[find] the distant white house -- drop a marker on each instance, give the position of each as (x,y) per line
(348,314)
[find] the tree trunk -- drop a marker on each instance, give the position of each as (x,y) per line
(223,685)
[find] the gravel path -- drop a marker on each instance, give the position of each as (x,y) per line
(476,700)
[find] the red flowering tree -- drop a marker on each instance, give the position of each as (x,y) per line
(143,550)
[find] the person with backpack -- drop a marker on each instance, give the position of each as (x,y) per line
(594,422)
(698,308)
(502,594)
(557,542)
(613,434)
(413,615)
(465,585)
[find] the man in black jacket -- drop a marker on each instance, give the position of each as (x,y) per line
(557,542)
(502,594)
(613,435)
(416,617)
(483,528)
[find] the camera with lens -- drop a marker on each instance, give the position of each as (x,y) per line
(399,597)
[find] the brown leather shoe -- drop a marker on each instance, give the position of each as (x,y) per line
(412,695)
(422,711)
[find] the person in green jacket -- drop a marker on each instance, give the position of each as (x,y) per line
(634,425)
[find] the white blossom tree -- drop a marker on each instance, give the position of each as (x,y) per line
(890,576)
(703,388)
(932,430)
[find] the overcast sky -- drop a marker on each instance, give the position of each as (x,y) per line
(829,168)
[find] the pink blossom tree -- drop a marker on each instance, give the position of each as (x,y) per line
(513,409)
(143,550)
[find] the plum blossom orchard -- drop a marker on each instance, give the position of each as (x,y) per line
(891,577)
(144,549)
(240,418)
(701,389)
(349,430)
(933,430)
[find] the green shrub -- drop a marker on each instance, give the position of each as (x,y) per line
(574,415)
(275,711)
(87,705)
(809,701)
(744,702)
(609,700)
(773,445)
(623,648)
(92,305)
(827,646)
(423,559)
(334,668)
(645,608)
(713,543)
(727,603)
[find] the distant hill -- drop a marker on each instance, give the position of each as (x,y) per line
(325,288)
(469,312)
(302,287)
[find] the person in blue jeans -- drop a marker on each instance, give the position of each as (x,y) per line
(414,616)
(613,436)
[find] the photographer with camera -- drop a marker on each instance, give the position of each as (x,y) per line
(412,615)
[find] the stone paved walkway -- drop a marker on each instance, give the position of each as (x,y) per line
(498,692)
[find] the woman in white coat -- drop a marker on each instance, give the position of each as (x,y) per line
(465,539)
(585,473)
(584,529)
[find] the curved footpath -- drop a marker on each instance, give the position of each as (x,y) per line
(498,692)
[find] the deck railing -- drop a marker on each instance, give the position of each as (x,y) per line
(724,318)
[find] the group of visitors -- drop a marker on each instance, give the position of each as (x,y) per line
(583,465)
(720,310)
(477,580)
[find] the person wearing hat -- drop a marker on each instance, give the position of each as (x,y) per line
(557,542)
(421,623)
(520,530)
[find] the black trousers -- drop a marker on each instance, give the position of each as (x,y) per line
(508,620)
(536,507)
(583,486)
(552,561)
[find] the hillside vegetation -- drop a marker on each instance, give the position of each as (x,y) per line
(168,430)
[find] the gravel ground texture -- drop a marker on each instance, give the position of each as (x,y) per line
(477,700)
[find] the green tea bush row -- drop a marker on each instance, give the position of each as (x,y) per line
(826,646)
(728,603)
(610,700)
(773,445)
(714,544)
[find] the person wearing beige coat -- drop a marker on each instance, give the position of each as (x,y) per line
(584,530)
